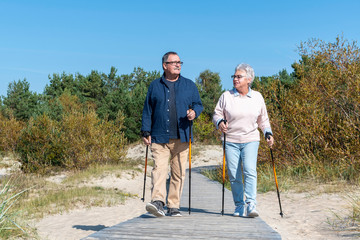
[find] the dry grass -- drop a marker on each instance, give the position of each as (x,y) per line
(61,193)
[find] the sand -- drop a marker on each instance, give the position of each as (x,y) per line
(307,215)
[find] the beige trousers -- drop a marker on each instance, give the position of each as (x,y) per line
(178,153)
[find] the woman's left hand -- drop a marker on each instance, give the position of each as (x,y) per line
(270,141)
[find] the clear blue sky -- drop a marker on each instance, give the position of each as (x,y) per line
(39,38)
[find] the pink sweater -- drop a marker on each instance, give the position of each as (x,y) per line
(244,114)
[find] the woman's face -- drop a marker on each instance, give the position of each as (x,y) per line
(240,81)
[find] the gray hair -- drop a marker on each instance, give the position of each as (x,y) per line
(248,69)
(166,56)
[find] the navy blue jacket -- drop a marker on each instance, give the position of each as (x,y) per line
(155,117)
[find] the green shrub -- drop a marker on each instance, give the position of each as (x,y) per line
(10,130)
(324,109)
(40,146)
(91,140)
(77,141)
(204,130)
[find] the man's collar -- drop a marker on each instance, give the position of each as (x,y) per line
(163,78)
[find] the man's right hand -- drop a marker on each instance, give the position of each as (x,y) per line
(147,140)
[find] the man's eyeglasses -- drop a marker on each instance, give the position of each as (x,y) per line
(175,63)
(237,76)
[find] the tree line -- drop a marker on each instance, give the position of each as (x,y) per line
(79,120)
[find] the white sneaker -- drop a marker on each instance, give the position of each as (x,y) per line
(239,211)
(251,210)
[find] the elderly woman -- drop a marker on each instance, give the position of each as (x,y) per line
(239,113)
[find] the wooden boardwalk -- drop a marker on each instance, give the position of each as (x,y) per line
(204,222)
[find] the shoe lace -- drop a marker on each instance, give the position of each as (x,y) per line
(159,205)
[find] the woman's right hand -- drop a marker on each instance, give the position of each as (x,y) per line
(223,127)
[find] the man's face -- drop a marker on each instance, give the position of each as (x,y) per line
(172,65)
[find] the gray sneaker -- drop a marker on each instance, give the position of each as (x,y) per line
(156,208)
(173,212)
(251,210)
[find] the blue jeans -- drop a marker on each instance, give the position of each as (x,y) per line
(241,158)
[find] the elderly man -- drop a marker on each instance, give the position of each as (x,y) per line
(165,126)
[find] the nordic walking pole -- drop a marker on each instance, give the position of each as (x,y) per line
(276,182)
(223,174)
(146,156)
(190,108)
